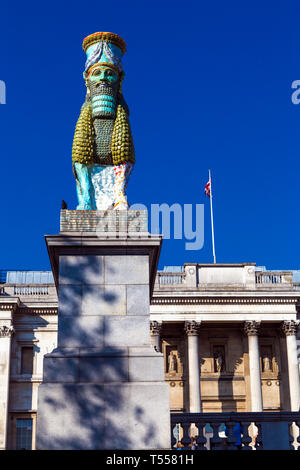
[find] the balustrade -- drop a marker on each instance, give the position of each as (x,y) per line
(237,431)
(31,290)
(164,278)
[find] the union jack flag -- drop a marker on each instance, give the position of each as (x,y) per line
(207,188)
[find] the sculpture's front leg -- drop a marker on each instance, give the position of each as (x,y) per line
(84,187)
(122,173)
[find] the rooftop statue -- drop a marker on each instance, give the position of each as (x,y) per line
(103,152)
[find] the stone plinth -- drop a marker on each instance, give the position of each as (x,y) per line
(104,221)
(103,387)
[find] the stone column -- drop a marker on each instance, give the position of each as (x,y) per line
(191,329)
(289,328)
(6,332)
(251,329)
(155,329)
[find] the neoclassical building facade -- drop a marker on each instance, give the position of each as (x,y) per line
(228,333)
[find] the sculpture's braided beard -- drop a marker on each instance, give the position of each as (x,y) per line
(103,99)
(104,102)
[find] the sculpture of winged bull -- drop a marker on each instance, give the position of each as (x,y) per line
(103,152)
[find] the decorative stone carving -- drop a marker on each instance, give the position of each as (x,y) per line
(174,356)
(267,367)
(219,363)
(192,327)
(251,328)
(172,363)
(6,331)
(266,353)
(155,328)
(290,327)
(219,358)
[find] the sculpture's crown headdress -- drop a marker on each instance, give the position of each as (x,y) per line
(104,48)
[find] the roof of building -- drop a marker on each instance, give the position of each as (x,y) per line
(46,277)
(26,277)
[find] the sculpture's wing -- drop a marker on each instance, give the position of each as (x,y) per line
(122,147)
(83,142)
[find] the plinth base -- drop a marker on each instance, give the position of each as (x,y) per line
(103,399)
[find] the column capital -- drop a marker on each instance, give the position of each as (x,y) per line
(155,327)
(251,328)
(6,331)
(192,327)
(289,327)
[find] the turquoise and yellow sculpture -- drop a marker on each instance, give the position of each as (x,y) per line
(103,152)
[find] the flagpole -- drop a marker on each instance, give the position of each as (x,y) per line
(212,219)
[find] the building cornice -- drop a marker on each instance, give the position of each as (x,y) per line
(9,303)
(37,311)
(223,299)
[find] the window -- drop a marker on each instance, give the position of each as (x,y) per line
(27,360)
(24,434)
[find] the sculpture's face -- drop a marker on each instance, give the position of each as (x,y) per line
(104,75)
(103,84)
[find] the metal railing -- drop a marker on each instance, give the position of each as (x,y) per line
(236,431)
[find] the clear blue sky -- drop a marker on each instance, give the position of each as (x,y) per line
(208,85)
